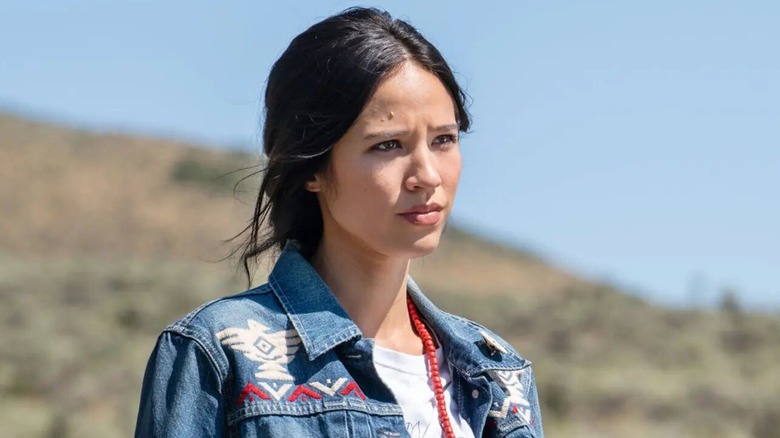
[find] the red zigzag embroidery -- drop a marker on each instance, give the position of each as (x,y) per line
(302,391)
(251,390)
(352,387)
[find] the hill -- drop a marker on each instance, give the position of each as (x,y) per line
(105,238)
(68,192)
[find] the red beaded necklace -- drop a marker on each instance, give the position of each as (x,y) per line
(433,365)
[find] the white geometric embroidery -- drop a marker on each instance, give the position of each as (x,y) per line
(525,414)
(501,413)
(271,350)
(330,390)
(510,381)
(276,393)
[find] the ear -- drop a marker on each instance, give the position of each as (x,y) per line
(313,184)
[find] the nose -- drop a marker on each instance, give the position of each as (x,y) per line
(423,172)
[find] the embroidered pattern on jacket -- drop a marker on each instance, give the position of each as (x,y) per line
(510,382)
(271,350)
(265,391)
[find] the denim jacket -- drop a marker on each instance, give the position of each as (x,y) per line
(285,360)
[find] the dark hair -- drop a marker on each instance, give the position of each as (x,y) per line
(315,91)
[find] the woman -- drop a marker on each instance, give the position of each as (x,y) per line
(362,117)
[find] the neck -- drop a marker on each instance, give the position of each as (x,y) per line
(372,289)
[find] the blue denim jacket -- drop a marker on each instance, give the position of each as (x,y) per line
(285,360)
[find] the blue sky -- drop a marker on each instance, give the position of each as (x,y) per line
(637,142)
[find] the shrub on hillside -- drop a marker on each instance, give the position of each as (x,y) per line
(218,175)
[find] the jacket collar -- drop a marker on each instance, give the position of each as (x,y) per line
(322,323)
(315,313)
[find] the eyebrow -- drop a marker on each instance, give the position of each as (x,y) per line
(391,134)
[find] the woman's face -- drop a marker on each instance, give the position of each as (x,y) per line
(393,175)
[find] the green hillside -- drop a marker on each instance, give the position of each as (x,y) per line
(105,238)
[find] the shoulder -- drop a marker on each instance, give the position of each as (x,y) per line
(220,313)
(254,310)
(486,340)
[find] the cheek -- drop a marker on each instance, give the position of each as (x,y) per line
(361,189)
(374,174)
(450,169)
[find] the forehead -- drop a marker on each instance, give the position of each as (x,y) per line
(409,92)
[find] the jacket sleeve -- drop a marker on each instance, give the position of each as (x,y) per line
(533,399)
(181,394)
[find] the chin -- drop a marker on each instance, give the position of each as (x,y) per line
(423,246)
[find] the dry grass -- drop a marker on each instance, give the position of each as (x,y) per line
(66,192)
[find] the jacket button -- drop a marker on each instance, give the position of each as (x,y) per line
(475,394)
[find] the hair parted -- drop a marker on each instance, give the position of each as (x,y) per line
(314,93)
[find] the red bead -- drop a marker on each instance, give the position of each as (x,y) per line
(433,365)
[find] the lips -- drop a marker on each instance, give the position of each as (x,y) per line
(425,214)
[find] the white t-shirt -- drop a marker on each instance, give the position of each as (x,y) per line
(407,376)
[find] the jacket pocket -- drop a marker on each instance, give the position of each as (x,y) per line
(336,418)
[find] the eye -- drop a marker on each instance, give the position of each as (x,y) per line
(445,140)
(386,146)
